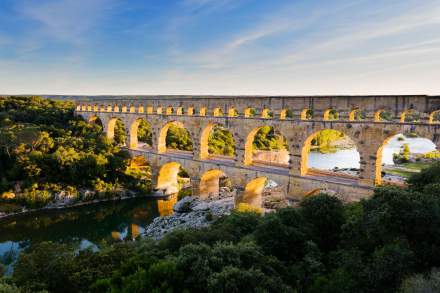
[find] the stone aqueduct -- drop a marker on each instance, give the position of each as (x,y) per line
(198,114)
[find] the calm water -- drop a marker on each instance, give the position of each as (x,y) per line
(350,158)
(82,226)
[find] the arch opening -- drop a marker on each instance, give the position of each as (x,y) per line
(232,112)
(357,115)
(250,112)
(174,137)
(434,117)
(383,115)
(265,146)
(286,114)
(331,114)
(410,116)
(116,131)
(217,142)
(266,113)
(217,112)
(262,193)
(96,122)
(141,135)
(172,178)
(306,114)
(330,152)
(402,155)
(214,183)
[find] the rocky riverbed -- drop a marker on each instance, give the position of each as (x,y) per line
(191,212)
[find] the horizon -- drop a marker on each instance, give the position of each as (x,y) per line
(219,47)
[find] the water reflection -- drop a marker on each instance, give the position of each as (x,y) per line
(82,227)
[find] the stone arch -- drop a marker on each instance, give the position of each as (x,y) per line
(150,109)
(330,114)
(159,110)
(116,108)
(204,140)
(306,114)
(168,178)
(134,139)
(356,115)
(202,111)
(381,150)
(248,149)
(95,120)
(232,112)
(190,111)
(124,108)
(179,111)
(249,112)
(210,183)
(253,192)
(111,126)
(162,139)
(434,117)
(217,112)
(410,115)
(89,107)
(140,109)
(132,109)
(307,146)
(109,108)
(286,114)
(169,110)
(266,113)
(383,115)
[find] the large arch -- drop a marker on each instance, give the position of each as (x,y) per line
(307,147)
(169,178)
(253,192)
(206,150)
(210,183)
(162,139)
(146,134)
(274,158)
(116,130)
(394,144)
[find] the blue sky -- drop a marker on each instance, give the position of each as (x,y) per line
(219,47)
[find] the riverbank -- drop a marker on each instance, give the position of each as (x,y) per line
(25,211)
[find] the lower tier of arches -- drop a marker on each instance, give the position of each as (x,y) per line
(204,177)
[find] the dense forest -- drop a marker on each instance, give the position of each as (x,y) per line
(388,243)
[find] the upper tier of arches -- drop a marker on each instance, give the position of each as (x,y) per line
(327,114)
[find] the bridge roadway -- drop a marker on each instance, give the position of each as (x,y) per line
(369,134)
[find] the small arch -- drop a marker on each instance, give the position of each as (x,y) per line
(78,107)
(132,109)
(393,152)
(150,110)
(330,115)
(169,110)
(266,113)
(116,108)
(172,178)
(211,182)
(330,150)
(159,110)
(95,108)
(102,108)
(179,111)
(286,114)
(174,136)
(232,112)
(140,109)
(140,131)
(306,114)
(109,108)
(356,115)
(253,192)
(116,131)
(124,108)
(266,146)
(89,107)
(249,112)
(383,115)
(410,116)
(202,111)
(434,117)
(216,141)
(83,107)
(190,111)
(217,112)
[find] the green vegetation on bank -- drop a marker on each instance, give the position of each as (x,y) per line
(387,243)
(47,152)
